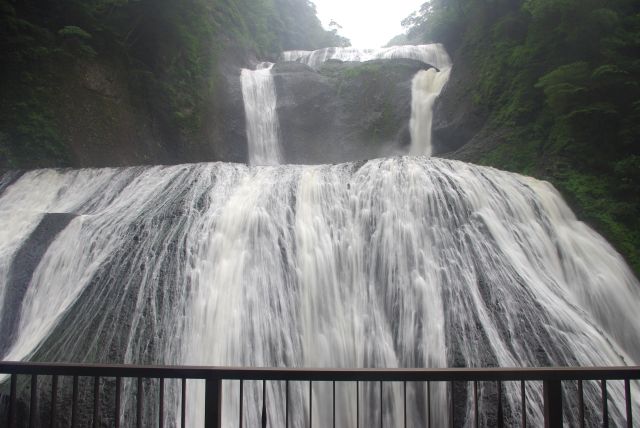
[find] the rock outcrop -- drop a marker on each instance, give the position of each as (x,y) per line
(456,118)
(346,111)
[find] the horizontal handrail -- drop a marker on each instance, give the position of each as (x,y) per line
(551,378)
(323,374)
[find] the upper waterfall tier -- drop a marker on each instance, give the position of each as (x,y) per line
(400,262)
(343,111)
(432,54)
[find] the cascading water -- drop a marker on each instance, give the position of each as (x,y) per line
(426,85)
(259,95)
(260,100)
(403,262)
(433,54)
(425,88)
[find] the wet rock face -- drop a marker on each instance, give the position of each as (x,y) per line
(227,130)
(455,123)
(346,111)
(456,117)
(308,112)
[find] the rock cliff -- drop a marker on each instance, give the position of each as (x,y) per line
(345,111)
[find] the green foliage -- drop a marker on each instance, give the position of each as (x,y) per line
(73,31)
(565,85)
(600,202)
(76,41)
(437,20)
(35,138)
(513,157)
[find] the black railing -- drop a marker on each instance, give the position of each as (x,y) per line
(553,380)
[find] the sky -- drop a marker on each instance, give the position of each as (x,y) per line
(367,23)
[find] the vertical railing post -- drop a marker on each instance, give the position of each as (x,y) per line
(33,406)
(500,412)
(552,391)
(12,401)
(213,403)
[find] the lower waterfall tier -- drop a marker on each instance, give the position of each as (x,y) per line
(401,262)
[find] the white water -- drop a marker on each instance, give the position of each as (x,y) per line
(263,129)
(426,86)
(404,262)
(433,54)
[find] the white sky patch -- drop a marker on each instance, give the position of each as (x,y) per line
(367,23)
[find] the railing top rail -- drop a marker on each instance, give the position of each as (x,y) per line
(321,374)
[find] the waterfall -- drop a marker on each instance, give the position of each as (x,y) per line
(259,95)
(425,88)
(260,102)
(426,85)
(401,262)
(433,54)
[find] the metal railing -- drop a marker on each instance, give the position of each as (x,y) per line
(553,380)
